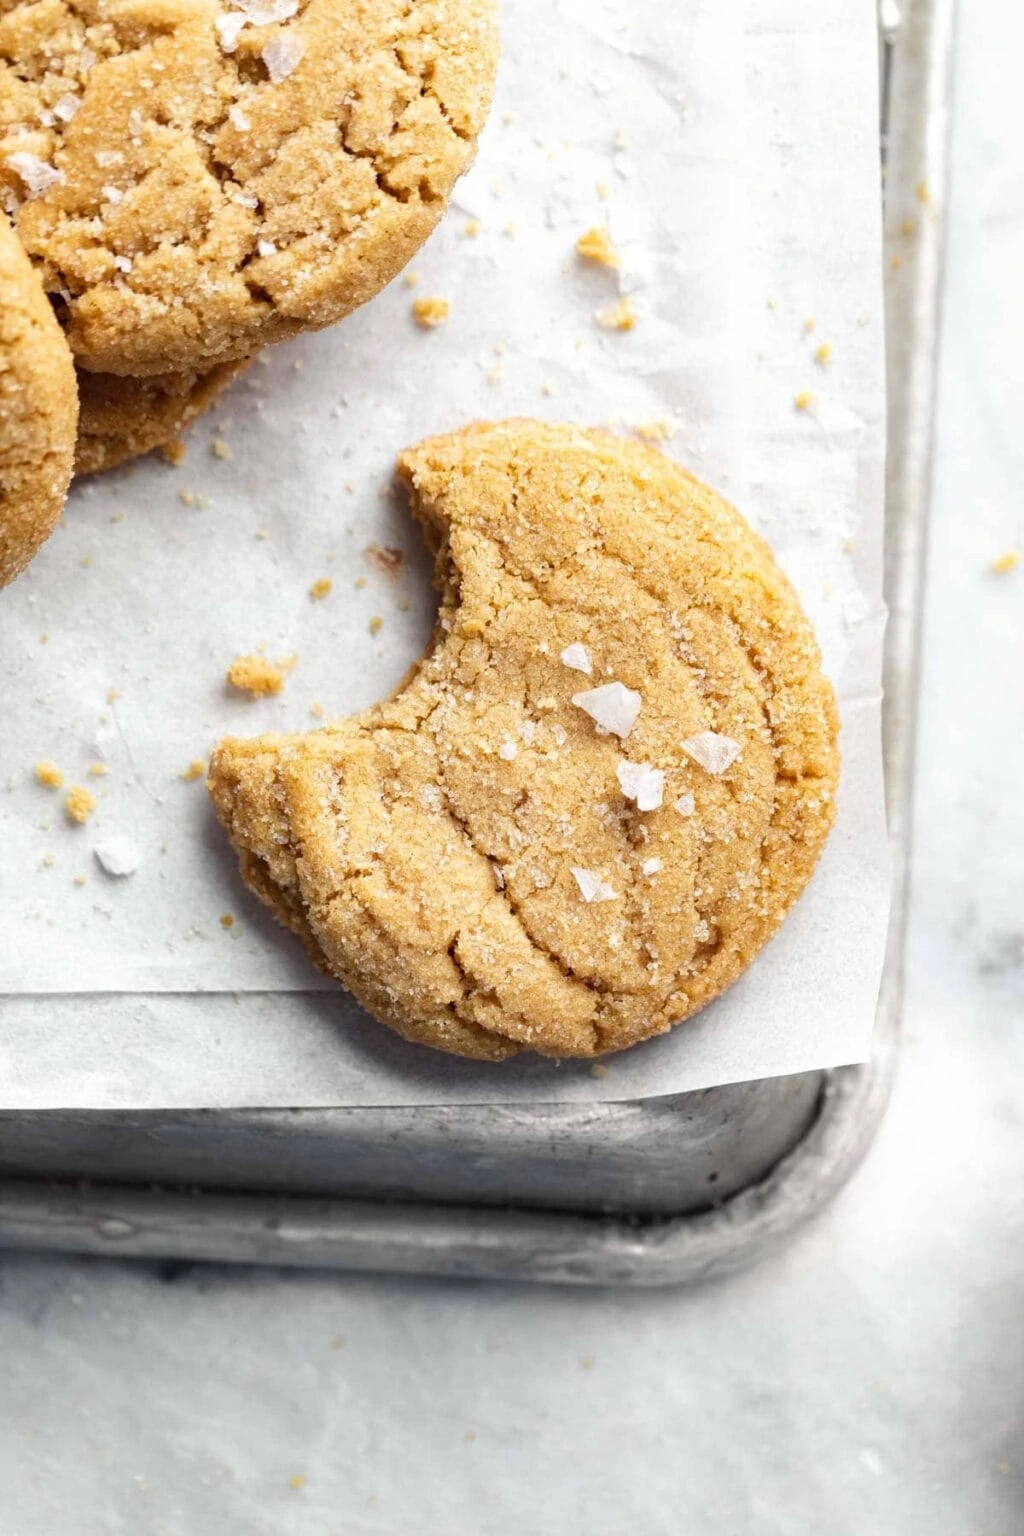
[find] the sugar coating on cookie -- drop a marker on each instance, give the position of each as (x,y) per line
(121,418)
(195,179)
(38,410)
(601,881)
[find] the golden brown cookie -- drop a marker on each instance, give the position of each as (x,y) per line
(196,179)
(596,797)
(120,418)
(38,410)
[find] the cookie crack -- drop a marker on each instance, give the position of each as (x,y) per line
(510,901)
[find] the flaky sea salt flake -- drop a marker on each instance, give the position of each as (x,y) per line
(714,753)
(237,118)
(612,706)
(263,13)
(651,867)
(118,857)
(283,55)
(686,804)
(643,784)
(36,175)
(66,107)
(229,30)
(592,887)
(508,751)
(577,657)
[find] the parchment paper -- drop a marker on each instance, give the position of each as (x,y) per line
(733,150)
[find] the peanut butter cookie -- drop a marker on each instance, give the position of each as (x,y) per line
(598,794)
(121,418)
(196,179)
(38,410)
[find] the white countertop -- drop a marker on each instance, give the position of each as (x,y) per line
(867,1381)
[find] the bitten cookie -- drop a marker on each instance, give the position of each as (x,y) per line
(121,418)
(38,411)
(196,179)
(598,794)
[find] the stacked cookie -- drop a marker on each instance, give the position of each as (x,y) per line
(189,181)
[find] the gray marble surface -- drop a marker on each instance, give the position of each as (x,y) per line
(867,1382)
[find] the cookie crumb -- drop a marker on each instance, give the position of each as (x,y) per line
(655,431)
(596,245)
(113,694)
(79,804)
(923,194)
(226,920)
(620,317)
(321,588)
(174,452)
(1003,564)
(317,711)
(471,228)
(81,879)
(412,279)
(385,557)
(220,449)
(823,354)
(430,312)
(599,1070)
(359,583)
(195,770)
(297,1482)
(803,400)
(49,775)
(257,676)
(97,770)
(809,325)
(376,624)
(592,886)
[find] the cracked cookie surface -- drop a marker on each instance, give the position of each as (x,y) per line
(594,799)
(38,411)
(194,180)
(120,418)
